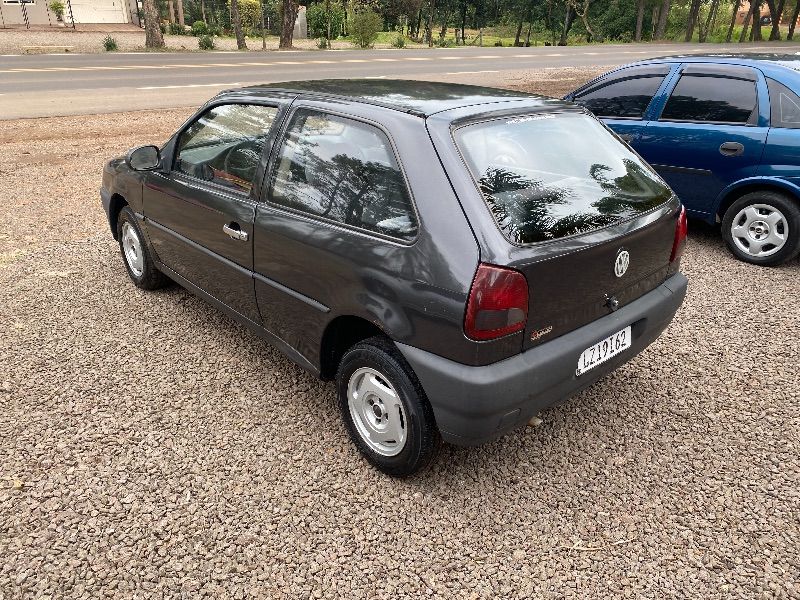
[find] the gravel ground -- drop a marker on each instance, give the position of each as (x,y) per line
(150,447)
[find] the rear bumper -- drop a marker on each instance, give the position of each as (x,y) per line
(476,404)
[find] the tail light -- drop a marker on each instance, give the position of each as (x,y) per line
(498,303)
(681,231)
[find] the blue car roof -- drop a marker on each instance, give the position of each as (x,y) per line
(782,67)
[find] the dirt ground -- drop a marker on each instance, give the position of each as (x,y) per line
(150,447)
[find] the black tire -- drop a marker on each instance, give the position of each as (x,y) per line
(790,209)
(422,436)
(145,275)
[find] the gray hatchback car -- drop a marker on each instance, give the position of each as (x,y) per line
(456,258)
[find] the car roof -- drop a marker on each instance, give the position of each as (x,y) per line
(767,62)
(421,98)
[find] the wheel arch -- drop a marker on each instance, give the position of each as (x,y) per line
(115,206)
(341,333)
(735,191)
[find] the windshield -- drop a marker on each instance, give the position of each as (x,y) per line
(548,176)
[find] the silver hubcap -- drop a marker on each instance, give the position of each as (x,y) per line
(132,249)
(759,230)
(377,412)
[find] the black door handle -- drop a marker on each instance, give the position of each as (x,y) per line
(731,149)
(626,137)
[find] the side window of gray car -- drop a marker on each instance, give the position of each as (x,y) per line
(344,171)
(224,145)
(784,106)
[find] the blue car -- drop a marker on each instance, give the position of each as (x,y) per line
(724,132)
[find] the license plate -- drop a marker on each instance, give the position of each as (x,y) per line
(604,350)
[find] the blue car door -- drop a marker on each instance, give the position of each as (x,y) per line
(621,98)
(708,131)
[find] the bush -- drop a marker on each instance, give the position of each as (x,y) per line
(322,43)
(499,44)
(58,9)
(110,44)
(399,41)
(163,28)
(248,13)
(205,42)
(317,18)
(199,28)
(176,29)
(443,42)
(364,27)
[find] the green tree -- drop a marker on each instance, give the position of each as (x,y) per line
(364,27)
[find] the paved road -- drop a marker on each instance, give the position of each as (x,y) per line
(64,84)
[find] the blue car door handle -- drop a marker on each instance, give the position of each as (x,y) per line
(626,137)
(731,149)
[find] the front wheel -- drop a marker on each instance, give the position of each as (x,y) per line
(141,268)
(763,228)
(385,409)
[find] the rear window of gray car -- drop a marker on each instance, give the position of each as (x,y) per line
(549,176)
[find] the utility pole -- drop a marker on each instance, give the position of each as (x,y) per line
(263,31)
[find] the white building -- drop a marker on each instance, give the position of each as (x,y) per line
(37,12)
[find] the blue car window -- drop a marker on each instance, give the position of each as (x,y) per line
(785,106)
(713,99)
(621,98)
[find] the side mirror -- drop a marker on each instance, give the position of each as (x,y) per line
(143,158)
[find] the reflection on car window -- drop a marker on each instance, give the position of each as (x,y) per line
(785,103)
(622,98)
(224,145)
(711,100)
(345,171)
(549,176)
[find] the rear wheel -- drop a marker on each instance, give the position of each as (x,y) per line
(385,409)
(763,228)
(138,262)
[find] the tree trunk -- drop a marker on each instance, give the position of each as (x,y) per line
(569,18)
(237,25)
(694,12)
(153,37)
(795,16)
(519,31)
(710,21)
(654,20)
(171,11)
(736,5)
(755,32)
(181,17)
(639,20)
(661,28)
(746,24)
(328,17)
(528,36)
(203,10)
(775,14)
(429,23)
(464,21)
(287,24)
(585,19)
(263,25)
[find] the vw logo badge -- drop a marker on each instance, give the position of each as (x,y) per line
(622,262)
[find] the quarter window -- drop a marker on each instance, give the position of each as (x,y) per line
(711,100)
(225,145)
(785,111)
(625,98)
(345,171)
